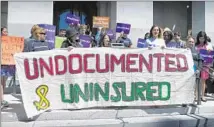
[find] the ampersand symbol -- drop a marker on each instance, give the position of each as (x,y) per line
(43,103)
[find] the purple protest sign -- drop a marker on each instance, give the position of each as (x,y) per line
(72,19)
(141,43)
(85,41)
(50,34)
(123,27)
(111,34)
(207,56)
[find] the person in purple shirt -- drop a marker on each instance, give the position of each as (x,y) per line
(168,36)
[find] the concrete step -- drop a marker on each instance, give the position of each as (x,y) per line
(16,112)
(202,120)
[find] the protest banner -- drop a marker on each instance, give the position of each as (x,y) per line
(123,27)
(85,41)
(141,43)
(111,34)
(9,46)
(50,34)
(99,21)
(207,56)
(59,41)
(84,78)
(72,19)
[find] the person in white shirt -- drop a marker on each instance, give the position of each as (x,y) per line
(155,39)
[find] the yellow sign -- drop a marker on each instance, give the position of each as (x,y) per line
(9,46)
(101,22)
(59,41)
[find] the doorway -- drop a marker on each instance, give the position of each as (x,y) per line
(84,9)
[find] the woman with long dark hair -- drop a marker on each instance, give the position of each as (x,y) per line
(155,37)
(202,43)
(105,41)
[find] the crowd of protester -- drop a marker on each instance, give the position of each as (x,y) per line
(156,37)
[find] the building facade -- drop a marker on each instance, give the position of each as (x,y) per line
(19,17)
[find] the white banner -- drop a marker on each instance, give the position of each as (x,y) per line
(101,77)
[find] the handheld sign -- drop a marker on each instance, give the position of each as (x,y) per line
(50,34)
(141,43)
(85,41)
(123,27)
(207,56)
(101,22)
(59,41)
(72,19)
(9,46)
(111,34)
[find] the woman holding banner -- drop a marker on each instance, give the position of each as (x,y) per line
(6,71)
(202,43)
(155,38)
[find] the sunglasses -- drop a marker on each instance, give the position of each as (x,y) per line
(43,33)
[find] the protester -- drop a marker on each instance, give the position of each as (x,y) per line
(155,38)
(105,41)
(101,31)
(83,29)
(39,43)
(190,42)
(146,36)
(62,33)
(168,36)
(123,38)
(202,43)
(4,31)
(88,30)
(72,39)
(177,39)
(6,71)
(32,37)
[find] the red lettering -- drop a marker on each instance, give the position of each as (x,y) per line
(86,69)
(43,65)
(130,62)
(169,62)
(181,56)
(70,63)
(148,65)
(63,58)
(121,61)
(158,55)
(106,69)
(35,69)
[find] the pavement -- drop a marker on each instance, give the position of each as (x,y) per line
(164,116)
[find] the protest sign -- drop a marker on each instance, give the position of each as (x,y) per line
(141,43)
(207,56)
(9,46)
(101,22)
(85,41)
(50,34)
(123,27)
(59,41)
(72,19)
(84,78)
(111,34)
